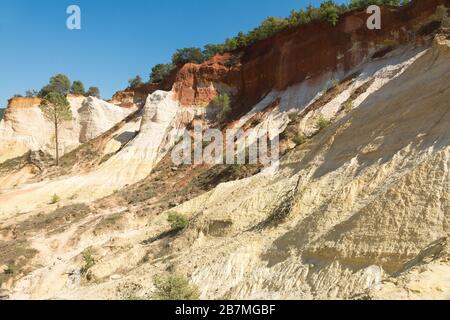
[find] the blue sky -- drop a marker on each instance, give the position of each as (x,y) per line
(118,39)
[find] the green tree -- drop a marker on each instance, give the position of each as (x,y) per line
(186,55)
(31,93)
(210,50)
(77,88)
(330,11)
(59,83)
(160,72)
(135,82)
(56,109)
(93,92)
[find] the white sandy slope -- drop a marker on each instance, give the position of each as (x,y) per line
(161,124)
(368,197)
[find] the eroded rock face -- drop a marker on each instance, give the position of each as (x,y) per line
(304,53)
(24,128)
(359,209)
(199,84)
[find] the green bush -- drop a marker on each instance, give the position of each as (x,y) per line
(186,55)
(88,260)
(93,92)
(222,102)
(10,270)
(55,199)
(160,72)
(330,11)
(135,82)
(177,221)
(78,88)
(293,116)
(175,287)
(322,123)
(347,106)
(299,139)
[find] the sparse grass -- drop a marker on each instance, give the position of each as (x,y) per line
(390,43)
(89,261)
(322,123)
(299,139)
(133,297)
(10,270)
(178,222)
(347,106)
(55,199)
(109,221)
(293,116)
(175,287)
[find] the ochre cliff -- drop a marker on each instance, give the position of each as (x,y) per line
(307,52)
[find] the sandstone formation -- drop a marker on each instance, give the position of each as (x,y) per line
(357,207)
(24,128)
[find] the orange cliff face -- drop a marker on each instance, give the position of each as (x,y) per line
(198,84)
(307,52)
(23,102)
(312,50)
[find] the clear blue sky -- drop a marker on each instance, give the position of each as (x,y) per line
(118,39)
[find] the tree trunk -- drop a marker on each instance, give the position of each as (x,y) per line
(56,142)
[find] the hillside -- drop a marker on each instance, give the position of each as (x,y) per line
(2,111)
(357,207)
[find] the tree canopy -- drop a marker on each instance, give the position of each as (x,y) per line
(77,88)
(186,55)
(59,83)
(135,82)
(93,92)
(160,72)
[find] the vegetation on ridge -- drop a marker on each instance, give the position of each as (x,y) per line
(328,11)
(60,83)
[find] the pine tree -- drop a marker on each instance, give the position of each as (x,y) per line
(56,109)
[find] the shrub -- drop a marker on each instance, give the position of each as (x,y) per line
(175,287)
(78,88)
(93,92)
(210,50)
(348,106)
(329,11)
(293,116)
(135,82)
(31,93)
(177,221)
(11,269)
(55,199)
(299,139)
(88,260)
(186,55)
(160,72)
(322,123)
(222,102)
